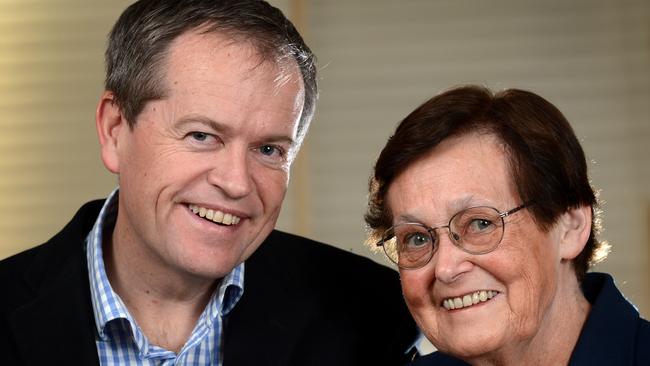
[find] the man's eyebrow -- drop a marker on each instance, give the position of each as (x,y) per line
(279,139)
(208,122)
(225,128)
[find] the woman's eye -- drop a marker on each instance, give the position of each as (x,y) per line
(417,240)
(480,225)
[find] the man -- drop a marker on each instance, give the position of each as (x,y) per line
(206,105)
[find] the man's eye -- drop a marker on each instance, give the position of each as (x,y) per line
(270,150)
(199,136)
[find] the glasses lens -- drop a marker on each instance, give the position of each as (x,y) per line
(408,245)
(478,229)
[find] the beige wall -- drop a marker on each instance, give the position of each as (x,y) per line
(50,79)
(379,59)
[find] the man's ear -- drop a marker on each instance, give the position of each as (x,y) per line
(109,123)
(575,227)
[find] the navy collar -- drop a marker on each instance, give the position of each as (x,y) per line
(608,336)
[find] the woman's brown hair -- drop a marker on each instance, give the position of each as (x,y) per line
(547,163)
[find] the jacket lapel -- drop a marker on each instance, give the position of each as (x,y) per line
(270,318)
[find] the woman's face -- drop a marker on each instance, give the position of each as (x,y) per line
(522,272)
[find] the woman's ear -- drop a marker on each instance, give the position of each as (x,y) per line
(109,123)
(575,227)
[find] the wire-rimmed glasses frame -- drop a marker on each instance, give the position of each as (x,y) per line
(475,230)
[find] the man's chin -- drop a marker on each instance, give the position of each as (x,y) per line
(210,267)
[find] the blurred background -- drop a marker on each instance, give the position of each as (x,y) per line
(378,60)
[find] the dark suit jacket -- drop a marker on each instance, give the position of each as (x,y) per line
(304,303)
(613,334)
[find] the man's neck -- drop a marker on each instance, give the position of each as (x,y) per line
(166,304)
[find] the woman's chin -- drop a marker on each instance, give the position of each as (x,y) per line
(469,346)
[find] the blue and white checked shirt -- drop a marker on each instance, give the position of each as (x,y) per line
(121,341)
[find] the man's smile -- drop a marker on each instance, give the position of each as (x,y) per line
(216,216)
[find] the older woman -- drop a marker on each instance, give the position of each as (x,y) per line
(484,203)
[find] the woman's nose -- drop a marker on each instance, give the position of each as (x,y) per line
(450,261)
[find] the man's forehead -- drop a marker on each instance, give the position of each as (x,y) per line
(203,42)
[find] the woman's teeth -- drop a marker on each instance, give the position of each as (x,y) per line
(468,300)
(215,216)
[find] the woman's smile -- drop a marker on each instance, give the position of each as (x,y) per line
(468,300)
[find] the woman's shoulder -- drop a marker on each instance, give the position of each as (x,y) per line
(437,359)
(611,313)
(642,342)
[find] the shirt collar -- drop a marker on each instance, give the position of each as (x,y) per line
(108,306)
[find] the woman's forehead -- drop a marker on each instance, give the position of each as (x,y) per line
(460,172)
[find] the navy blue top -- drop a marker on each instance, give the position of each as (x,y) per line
(613,334)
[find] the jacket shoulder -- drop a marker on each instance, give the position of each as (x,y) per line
(313,256)
(349,304)
(46,287)
(310,264)
(35,265)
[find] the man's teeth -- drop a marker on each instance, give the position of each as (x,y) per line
(468,300)
(215,216)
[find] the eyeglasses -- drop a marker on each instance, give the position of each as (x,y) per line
(475,230)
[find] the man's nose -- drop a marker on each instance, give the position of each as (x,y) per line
(232,172)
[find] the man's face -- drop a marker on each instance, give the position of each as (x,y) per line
(204,171)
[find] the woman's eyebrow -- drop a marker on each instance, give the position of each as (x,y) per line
(408,218)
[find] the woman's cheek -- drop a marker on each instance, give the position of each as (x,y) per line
(416,288)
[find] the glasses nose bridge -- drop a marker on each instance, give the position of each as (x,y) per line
(450,233)
(435,228)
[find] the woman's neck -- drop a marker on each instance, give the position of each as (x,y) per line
(557,335)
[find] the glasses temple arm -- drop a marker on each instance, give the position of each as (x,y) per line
(510,212)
